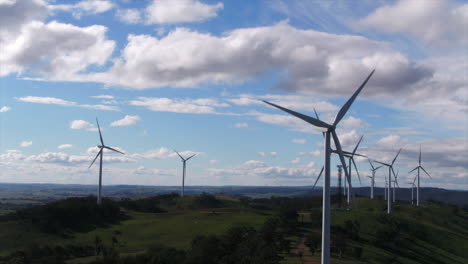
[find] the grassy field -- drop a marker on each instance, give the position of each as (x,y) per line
(175,229)
(429,234)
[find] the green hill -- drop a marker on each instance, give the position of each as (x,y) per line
(182,226)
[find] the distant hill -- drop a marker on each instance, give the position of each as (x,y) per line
(14,196)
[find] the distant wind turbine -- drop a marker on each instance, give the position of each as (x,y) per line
(417,176)
(329,132)
(183,170)
(390,171)
(100,154)
(412,190)
(372,177)
(395,181)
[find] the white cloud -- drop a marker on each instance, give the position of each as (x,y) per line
(241,125)
(438,23)
(95,150)
(299,141)
(314,153)
(73,160)
(85,7)
(5,109)
(163,153)
(58,101)
(75,49)
(65,146)
(128,120)
(82,124)
(26,144)
(189,106)
(129,16)
(296,161)
(169,11)
(391,142)
(103,96)
(212,162)
(273,154)
(312,61)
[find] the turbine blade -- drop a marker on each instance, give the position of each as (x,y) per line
(306,118)
(113,149)
(378,167)
(191,156)
(396,156)
(385,164)
(355,148)
(360,155)
(340,154)
(179,154)
(426,172)
(414,180)
(357,171)
(413,169)
(99,153)
(318,118)
(370,162)
(419,155)
(318,177)
(350,101)
(100,135)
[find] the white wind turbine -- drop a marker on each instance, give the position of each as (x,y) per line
(329,132)
(390,171)
(412,190)
(183,170)
(417,176)
(395,181)
(100,154)
(372,177)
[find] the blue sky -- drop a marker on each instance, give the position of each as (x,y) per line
(190,75)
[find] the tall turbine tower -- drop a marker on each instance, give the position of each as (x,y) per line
(183,170)
(340,173)
(329,132)
(372,178)
(100,154)
(412,188)
(390,171)
(417,176)
(395,184)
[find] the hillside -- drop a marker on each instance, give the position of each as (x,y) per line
(433,233)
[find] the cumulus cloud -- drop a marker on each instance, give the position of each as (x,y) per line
(86,7)
(73,160)
(188,106)
(129,16)
(62,102)
(82,124)
(128,120)
(75,49)
(5,109)
(26,144)
(336,64)
(170,12)
(437,23)
(163,153)
(65,146)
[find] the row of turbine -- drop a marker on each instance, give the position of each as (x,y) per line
(388,187)
(101,153)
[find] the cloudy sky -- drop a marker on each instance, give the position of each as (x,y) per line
(190,75)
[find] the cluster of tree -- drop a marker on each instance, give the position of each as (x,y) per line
(72,214)
(276,203)
(152,204)
(237,245)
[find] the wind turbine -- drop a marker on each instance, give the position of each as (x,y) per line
(350,156)
(412,188)
(390,171)
(183,170)
(386,189)
(329,132)
(100,154)
(417,176)
(373,177)
(395,181)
